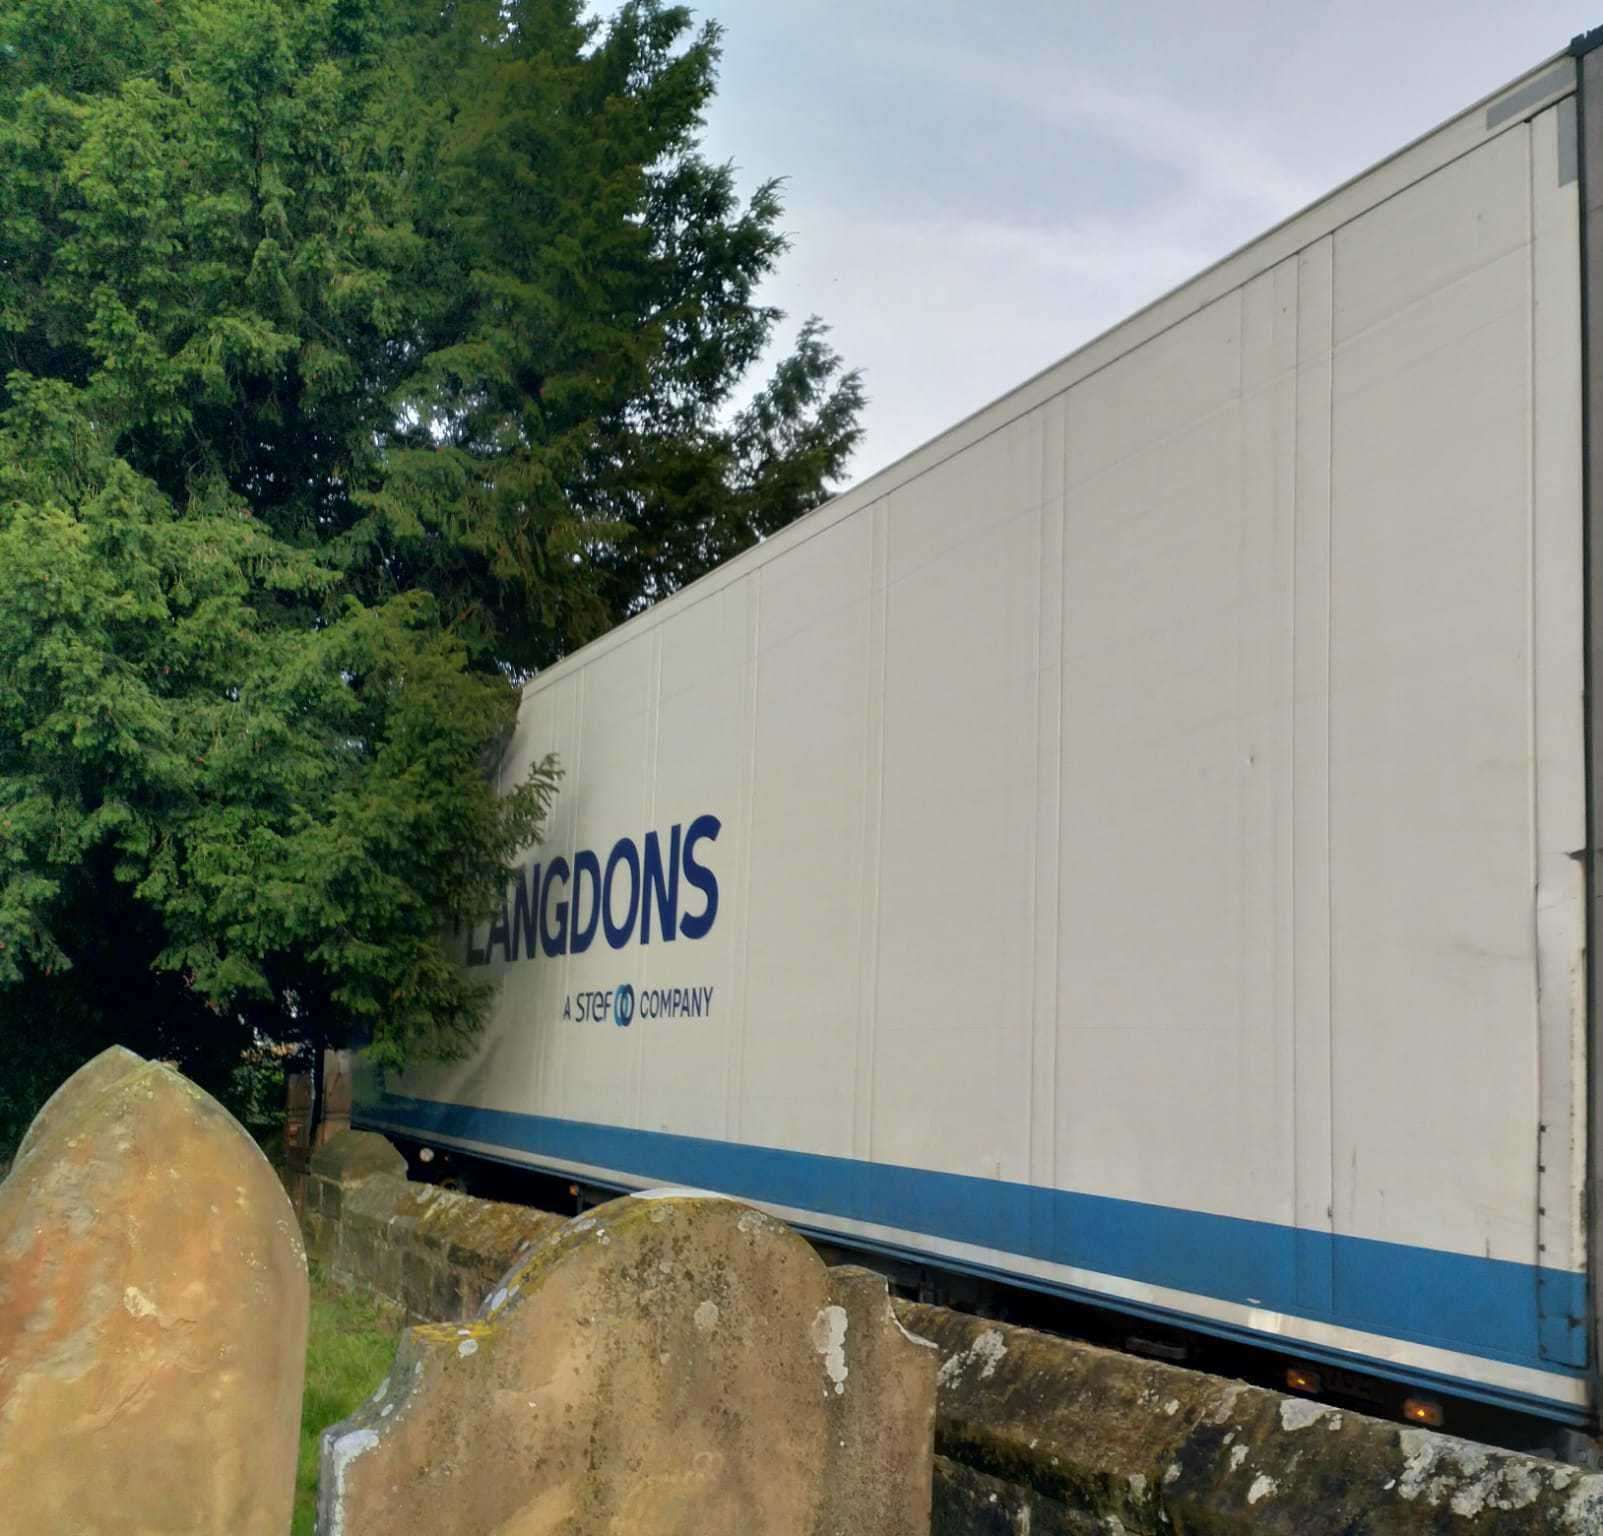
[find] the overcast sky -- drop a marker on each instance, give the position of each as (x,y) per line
(974,190)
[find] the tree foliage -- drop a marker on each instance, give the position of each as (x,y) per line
(357,358)
(299,803)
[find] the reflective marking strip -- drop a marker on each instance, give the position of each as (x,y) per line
(1560,77)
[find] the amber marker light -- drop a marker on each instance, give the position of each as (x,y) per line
(1300,1380)
(1421,1410)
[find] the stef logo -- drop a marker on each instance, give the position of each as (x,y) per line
(623,1005)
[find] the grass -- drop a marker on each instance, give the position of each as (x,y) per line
(350,1347)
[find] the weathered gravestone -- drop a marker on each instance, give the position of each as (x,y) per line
(153,1309)
(669,1365)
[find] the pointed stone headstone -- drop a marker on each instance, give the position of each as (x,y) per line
(153,1305)
(668,1365)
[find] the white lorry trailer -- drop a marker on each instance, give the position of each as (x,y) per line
(1139,845)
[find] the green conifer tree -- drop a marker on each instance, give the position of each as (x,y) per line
(357,359)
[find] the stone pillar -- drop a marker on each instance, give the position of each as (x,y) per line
(668,1365)
(153,1305)
(297,1135)
(335,1118)
(338,1166)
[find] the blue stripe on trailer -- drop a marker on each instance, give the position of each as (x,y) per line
(1453,1301)
(1300,1349)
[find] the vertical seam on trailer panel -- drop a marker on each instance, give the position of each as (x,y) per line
(556,1037)
(1556,1066)
(1329,672)
(1242,815)
(1056,1037)
(754,629)
(1585,78)
(873,928)
(857,882)
(1044,937)
(867,882)
(1533,806)
(640,960)
(1294,532)
(1062,864)
(1036,782)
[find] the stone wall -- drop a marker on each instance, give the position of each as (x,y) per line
(1040,1434)
(432,1252)
(1033,1433)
